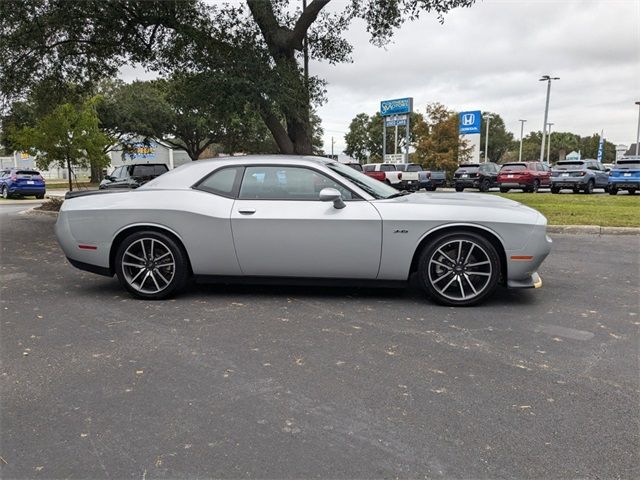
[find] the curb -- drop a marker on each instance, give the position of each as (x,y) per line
(592,230)
(33,211)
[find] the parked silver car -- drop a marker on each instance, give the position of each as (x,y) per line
(255,218)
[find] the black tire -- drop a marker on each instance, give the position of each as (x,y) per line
(485,185)
(127,275)
(430,189)
(5,192)
(613,191)
(432,263)
(555,189)
(576,190)
(632,191)
(536,186)
(504,190)
(459,188)
(588,188)
(40,196)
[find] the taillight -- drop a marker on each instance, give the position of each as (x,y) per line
(428,174)
(582,174)
(610,173)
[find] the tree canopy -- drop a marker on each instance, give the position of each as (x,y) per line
(68,136)
(253,49)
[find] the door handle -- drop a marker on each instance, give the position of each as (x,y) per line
(247,211)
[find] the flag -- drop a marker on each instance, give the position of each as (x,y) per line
(601,147)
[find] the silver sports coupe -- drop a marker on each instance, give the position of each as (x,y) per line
(297,219)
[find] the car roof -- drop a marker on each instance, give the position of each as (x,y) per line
(189,173)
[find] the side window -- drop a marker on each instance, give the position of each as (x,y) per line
(369,168)
(286,183)
(116,173)
(222,182)
(387,168)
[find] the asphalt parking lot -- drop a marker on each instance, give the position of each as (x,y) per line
(290,382)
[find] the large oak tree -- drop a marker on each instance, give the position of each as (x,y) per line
(254,49)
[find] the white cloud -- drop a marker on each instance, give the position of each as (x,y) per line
(491,56)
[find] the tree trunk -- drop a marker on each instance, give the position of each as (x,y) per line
(69,174)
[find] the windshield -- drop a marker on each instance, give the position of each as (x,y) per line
(414,168)
(627,164)
(469,167)
(373,187)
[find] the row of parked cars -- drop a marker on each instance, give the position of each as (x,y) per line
(576,175)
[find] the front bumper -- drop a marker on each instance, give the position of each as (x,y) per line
(523,264)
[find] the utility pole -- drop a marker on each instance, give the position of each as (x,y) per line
(638,134)
(395,144)
(546,78)
(549,147)
(332,142)
(486,140)
(521,133)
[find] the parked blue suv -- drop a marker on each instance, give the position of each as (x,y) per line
(14,181)
(625,175)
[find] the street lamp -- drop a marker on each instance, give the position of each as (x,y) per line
(521,133)
(486,138)
(546,78)
(549,147)
(638,134)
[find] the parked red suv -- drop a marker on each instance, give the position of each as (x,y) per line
(528,176)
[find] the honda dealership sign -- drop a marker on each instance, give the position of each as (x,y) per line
(470,122)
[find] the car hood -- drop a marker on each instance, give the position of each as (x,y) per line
(456,199)
(469,207)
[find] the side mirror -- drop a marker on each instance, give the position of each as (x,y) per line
(332,195)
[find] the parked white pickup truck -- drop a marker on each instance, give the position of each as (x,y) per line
(385,172)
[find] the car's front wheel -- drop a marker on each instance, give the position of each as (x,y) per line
(485,185)
(5,192)
(459,269)
(151,265)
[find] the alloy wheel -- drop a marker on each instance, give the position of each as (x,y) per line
(148,265)
(460,270)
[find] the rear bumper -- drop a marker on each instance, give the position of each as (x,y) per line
(569,182)
(515,184)
(409,184)
(467,182)
(27,190)
(622,183)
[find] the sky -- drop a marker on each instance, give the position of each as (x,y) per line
(490,57)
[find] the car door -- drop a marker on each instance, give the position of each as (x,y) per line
(281,228)
(602,179)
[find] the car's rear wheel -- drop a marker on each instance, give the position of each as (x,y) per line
(632,191)
(459,189)
(40,196)
(588,189)
(5,192)
(485,185)
(504,190)
(536,186)
(576,190)
(151,265)
(459,269)
(613,191)
(555,189)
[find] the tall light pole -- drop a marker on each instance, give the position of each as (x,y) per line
(486,139)
(521,133)
(549,144)
(638,134)
(546,78)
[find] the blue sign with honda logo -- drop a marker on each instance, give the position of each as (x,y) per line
(470,122)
